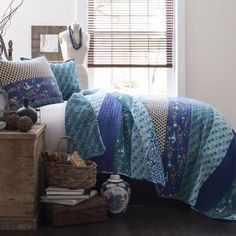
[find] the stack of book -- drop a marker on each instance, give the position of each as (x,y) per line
(67,196)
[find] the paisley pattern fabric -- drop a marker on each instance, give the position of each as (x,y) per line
(176,144)
(146,156)
(123,144)
(191,157)
(210,137)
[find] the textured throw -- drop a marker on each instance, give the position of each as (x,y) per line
(108,120)
(183,145)
(82,126)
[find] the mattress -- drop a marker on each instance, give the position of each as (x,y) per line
(53,116)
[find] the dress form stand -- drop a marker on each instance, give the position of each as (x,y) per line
(79,54)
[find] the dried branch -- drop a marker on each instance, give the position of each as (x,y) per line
(5,19)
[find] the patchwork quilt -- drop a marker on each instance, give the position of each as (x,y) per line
(183,145)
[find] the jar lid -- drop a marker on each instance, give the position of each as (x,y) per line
(115,178)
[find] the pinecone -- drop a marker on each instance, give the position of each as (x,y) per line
(24,123)
(11,121)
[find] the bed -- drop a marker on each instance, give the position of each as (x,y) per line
(184,146)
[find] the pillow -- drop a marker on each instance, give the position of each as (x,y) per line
(67,77)
(31,79)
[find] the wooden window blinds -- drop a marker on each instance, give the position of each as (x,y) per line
(130,33)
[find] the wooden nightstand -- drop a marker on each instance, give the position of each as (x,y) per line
(19,178)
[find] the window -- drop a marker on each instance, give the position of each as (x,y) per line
(134,45)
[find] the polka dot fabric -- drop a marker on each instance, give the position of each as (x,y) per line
(31,79)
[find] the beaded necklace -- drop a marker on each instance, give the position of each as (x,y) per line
(76,45)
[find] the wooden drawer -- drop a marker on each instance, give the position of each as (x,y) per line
(19,170)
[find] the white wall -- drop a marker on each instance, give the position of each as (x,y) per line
(211,54)
(36,12)
(210,44)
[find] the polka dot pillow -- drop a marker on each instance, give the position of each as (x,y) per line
(67,77)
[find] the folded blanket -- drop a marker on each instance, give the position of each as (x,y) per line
(81,124)
(120,137)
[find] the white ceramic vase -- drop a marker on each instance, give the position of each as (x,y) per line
(117,192)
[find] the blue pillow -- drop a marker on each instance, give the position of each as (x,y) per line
(31,79)
(67,77)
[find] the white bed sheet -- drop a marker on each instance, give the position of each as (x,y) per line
(54,117)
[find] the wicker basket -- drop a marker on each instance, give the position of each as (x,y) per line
(69,176)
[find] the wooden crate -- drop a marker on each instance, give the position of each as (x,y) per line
(89,211)
(19,178)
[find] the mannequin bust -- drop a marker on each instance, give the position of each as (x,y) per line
(74,43)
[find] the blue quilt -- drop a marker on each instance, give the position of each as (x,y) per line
(183,145)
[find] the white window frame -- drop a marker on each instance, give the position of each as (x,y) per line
(180,44)
(176,85)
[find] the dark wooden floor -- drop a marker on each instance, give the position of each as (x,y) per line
(163,220)
(147,215)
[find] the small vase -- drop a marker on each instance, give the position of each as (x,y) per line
(117,192)
(26,110)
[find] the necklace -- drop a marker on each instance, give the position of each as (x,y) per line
(76,45)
